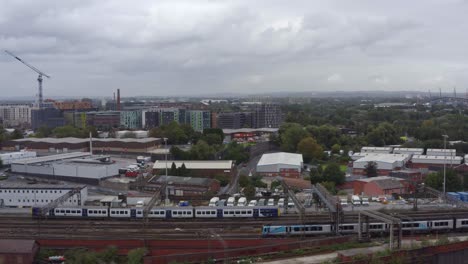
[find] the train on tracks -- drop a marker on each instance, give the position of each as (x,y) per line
(206,212)
(423,226)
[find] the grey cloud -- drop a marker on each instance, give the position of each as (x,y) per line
(178,47)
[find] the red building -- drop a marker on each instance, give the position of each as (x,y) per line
(20,251)
(381,185)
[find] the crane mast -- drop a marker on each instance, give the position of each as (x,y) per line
(39,78)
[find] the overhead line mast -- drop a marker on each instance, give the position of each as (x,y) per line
(39,78)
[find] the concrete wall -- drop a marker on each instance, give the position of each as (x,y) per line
(28,197)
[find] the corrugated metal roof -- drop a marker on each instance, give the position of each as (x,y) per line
(384,158)
(21,246)
(195,164)
(281,158)
(250,130)
(72,140)
(184,180)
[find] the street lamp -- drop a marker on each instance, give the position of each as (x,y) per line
(445,160)
(166,202)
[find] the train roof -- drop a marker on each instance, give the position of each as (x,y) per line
(236,207)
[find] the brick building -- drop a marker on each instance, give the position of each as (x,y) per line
(20,251)
(198,168)
(381,185)
(184,186)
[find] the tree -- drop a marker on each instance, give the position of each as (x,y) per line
(436,181)
(179,154)
(275,184)
(212,139)
(202,151)
(309,148)
(316,175)
(223,179)
(135,256)
(371,169)
(335,149)
(183,171)
(244,181)
(216,131)
(291,134)
(330,186)
(236,152)
(109,255)
(333,173)
(16,134)
(173,170)
(249,191)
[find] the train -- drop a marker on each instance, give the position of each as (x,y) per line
(423,226)
(161,212)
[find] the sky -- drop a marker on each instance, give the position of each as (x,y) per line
(203,47)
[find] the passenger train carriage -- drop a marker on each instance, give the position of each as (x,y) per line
(162,212)
(323,229)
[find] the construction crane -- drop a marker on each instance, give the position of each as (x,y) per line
(39,79)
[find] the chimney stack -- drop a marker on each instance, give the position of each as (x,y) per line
(118,99)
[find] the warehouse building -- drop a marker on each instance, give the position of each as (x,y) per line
(386,163)
(384,150)
(280,164)
(77,166)
(25,194)
(197,168)
(441,152)
(184,186)
(433,162)
(409,151)
(377,186)
(71,144)
(8,158)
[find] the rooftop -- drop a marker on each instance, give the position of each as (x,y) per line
(72,140)
(21,246)
(384,182)
(195,164)
(27,185)
(281,158)
(182,180)
(50,158)
(430,157)
(381,157)
(250,130)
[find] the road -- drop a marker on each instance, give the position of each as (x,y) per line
(249,169)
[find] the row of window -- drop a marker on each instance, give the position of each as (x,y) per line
(410,225)
(97,211)
(37,201)
(441,224)
(307,228)
(62,211)
(32,191)
(464,222)
(181,212)
(347,227)
(240,212)
(123,212)
(206,212)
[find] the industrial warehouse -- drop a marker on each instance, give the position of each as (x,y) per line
(77,167)
(69,144)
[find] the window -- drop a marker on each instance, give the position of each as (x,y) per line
(464,222)
(139,212)
(67,211)
(441,224)
(198,212)
(237,212)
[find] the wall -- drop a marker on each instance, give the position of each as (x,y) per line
(37,197)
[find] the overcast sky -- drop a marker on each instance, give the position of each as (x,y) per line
(91,47)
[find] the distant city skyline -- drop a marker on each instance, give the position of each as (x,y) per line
(189,48)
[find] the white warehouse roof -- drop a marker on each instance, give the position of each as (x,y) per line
(384,161)
(195,164)
(376,149)
(441,152)
(281,158)
(415,151)
(425,159)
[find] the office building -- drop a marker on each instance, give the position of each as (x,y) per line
(131,119)
(235,120)
(15,115)
(46,117)
(266,115)
(199,119)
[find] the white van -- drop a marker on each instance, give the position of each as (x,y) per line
(242,201)
(355,200)
(253,203)
(231,201)
(344,202)
(281,202)
(365,201)
(214,201)
(271,202)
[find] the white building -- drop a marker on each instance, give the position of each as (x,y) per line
(436,160)
(8,158)
(137,133)
(441,152)
(14,194)
(410,151)
(76,166)
(385,162)
(376,150)
(280,164)
(15,115)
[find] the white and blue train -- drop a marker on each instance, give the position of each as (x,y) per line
(161,212)
(325,229)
